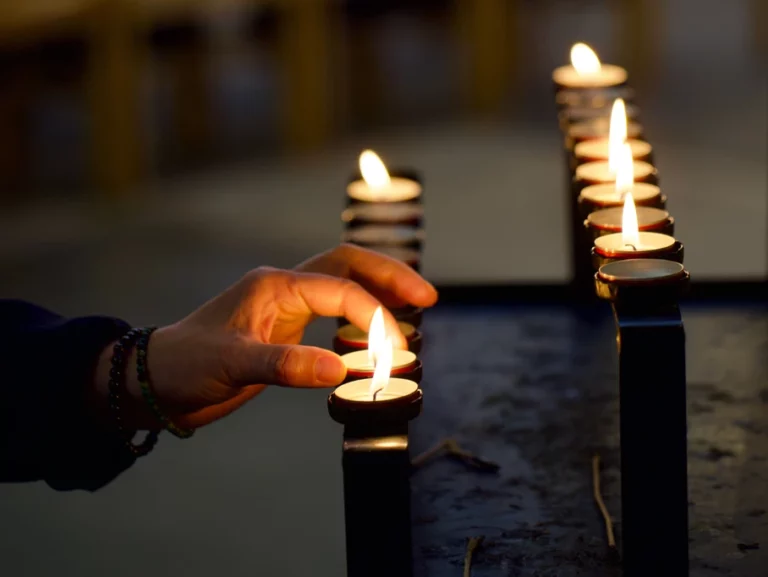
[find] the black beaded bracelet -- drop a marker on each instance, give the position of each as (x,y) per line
(116,388)
(142,373)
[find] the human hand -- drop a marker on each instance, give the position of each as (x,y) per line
(223,354)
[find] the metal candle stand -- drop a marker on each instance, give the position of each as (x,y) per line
(652,389)
(377,490)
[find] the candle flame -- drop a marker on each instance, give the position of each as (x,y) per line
(630,234)
(376,336)
(625,170)
(383,368)
(617,133)
(584,59)
(373,170)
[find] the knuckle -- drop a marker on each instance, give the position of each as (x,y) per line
(287,366)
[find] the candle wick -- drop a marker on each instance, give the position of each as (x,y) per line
(376,392)
(631,245)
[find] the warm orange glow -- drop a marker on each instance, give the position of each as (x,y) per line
(376,336)
(617,132)
(630,234)
(625,170)
(584,59)
(373,170)
(383,368)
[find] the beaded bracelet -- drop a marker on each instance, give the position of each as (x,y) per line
(146,390)
(116,386)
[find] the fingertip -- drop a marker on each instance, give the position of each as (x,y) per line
(329,370)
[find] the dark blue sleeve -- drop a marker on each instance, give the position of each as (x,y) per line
(46,363)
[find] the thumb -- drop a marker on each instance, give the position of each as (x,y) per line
(287,365)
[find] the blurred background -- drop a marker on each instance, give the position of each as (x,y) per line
(152,151)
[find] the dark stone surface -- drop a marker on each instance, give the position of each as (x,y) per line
(535,389)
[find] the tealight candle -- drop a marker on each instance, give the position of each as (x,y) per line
(384,235)
(631,243)
(649,219)
(405,365)
(620,169)
(362,391)
(599,149)
(598,128)
(592,97)
(581,114)
(600,171)
(390,213)
(349,338)
(586,71)
(599,196)
(378,186)
(641,280)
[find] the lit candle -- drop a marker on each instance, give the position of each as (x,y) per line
(349,338)
(378,186)
(587,72)
(631,243)
(379,388)
(649,219)
(376,235)
(362,363)
(605,148)
(607,171)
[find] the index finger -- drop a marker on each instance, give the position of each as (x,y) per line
(336,297)
(388,274)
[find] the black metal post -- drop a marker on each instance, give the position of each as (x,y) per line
(377,504)
(653,414)
(377,485)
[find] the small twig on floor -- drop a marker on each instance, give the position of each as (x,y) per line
(419,460)
(452,449)
(600,503)
(473,544)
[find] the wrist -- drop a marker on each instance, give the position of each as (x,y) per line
(134,412)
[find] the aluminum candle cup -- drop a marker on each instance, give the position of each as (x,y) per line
(361,214)
(599,196)
(641,280)
(650,245)
(405,365)
(406,186)
(349,339)
(352,404)
(378,235)
(608,221)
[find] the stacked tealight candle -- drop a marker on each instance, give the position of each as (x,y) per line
(385,213)
(607,163)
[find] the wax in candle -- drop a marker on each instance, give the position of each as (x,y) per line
(614,244)
(611,218)
(600,171)
(640,270)
(599,127)
(378,234)
(597,149)
(606,75)
(360,391)
(606,194)
(383,212)
(353,335)
(397,190)
(361,361)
